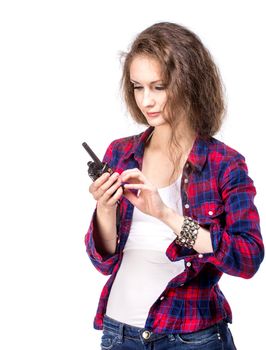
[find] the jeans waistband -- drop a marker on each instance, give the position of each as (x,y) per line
(122,329)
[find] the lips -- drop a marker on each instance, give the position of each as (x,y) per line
(154,114)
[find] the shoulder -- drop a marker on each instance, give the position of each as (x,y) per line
(213,154)
(227,162)
(219,151)
(123,147)
(127,143)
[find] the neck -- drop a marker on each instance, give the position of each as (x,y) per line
(159,141)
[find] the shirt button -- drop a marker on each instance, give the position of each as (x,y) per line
(188,264)
(187,165)
(162,298)
(186,206)
(200,255)
(186,181)
(210,212)
(146,334)
(181,285)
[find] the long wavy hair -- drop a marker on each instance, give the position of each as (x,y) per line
(192,79)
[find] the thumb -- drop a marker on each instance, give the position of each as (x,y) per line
(130,196)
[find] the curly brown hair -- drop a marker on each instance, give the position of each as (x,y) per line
(192,79)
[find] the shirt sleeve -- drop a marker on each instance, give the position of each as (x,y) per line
(237,243)
(105,264)
(234,227)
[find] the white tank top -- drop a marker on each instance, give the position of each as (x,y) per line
(145,269)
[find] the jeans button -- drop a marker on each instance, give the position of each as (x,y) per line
(146,334)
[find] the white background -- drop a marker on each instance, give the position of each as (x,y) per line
(59,86)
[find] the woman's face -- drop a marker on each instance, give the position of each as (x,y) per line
(149,91)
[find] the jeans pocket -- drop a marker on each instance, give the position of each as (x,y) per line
(231,339)
(108,341)
(200,337)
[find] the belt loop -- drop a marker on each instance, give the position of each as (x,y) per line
(171,337)
(218,327)
(120,333)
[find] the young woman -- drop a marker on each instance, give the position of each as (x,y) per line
(179,211)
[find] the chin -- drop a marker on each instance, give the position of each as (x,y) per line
(156,121)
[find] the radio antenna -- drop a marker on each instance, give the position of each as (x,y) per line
(92,154)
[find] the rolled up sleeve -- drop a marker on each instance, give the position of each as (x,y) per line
(237,244)
(105,264)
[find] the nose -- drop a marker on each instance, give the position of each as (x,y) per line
(148,99)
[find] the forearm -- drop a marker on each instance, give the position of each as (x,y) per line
(105,236)
(175,221)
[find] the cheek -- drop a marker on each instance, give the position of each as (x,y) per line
(163,100)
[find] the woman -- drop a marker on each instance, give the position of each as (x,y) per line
(179,211)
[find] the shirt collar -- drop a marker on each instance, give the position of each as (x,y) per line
(196,158)
(198,154)
(138,144)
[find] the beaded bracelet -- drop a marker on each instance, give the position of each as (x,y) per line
(189,232)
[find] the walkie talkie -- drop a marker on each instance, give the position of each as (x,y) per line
(96,168)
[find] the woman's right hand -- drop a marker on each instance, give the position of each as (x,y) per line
(106,190)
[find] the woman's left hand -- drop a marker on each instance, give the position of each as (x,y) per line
(148,200)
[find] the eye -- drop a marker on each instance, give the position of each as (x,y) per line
(156,87)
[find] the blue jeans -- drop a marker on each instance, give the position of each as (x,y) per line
(119,336)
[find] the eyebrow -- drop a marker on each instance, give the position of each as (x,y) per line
(152,82)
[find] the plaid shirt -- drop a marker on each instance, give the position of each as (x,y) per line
(217,192)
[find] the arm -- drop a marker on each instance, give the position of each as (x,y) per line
(203,242)
(105,235)
(103,257)
(232,237)
(99,240)
(238,247)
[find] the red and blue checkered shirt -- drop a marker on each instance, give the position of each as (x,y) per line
(218,193)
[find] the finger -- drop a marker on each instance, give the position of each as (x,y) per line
(125,173)
(94,187)
(133,175)
(115,197)
(137,186)
(110,191)
(101,180)
(130,196)
(109,180)
(99,192)
(97,183)
(112,179)
(129,170)
(113,194)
